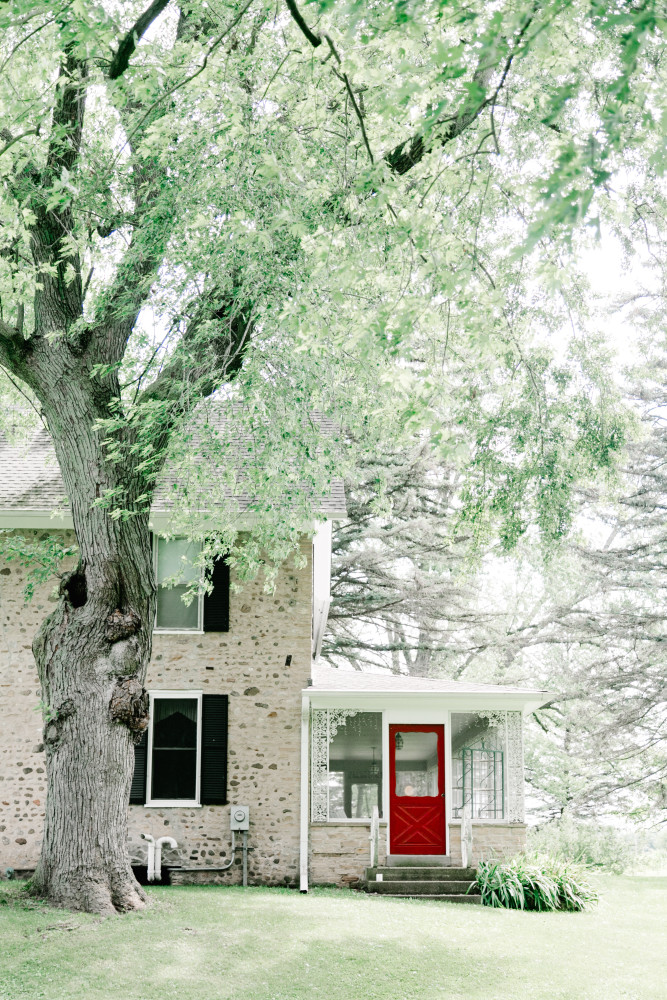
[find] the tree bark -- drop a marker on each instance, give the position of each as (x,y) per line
(92,652)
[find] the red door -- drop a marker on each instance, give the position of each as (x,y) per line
(417,789)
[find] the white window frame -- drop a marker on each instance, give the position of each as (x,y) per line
(199,630)
(173,803)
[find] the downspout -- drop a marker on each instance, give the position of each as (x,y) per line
(150,863)
(158,855)
(303,842)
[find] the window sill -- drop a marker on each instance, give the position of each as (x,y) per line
(345,822)
(484,822)
(173,804)
(178,631)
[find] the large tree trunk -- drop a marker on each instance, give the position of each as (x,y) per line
(91,655)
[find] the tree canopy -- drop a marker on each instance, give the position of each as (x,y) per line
(369,213)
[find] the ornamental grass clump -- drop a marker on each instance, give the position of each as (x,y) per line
(535,883)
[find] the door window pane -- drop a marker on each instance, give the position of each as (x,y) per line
(416,764)
(174,761)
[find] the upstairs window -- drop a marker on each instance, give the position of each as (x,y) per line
(176,573)
(175,559)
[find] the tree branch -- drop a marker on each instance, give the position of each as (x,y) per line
(203,363)
(411,151)
(125,50)
(314,39)
(8,332)
(11,139)
(68,112)
(188,79)
(123,302)
(58,302)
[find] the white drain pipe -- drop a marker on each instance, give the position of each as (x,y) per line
(151,856)
(157,864)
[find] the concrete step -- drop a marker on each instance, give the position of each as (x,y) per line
(420,874)
(420,888)
(418,860)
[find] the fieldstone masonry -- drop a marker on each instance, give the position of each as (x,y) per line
(248,663)
(339,853)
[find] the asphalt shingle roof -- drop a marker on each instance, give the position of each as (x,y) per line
(30,480)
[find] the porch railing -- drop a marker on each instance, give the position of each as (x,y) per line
(466,834)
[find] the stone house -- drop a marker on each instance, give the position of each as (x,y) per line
(243,714)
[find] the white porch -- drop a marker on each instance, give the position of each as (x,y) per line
(478,732)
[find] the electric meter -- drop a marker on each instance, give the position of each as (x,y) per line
(239,818)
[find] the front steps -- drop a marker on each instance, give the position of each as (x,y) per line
(428,881)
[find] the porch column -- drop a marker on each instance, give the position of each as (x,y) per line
(305,771)
(515,775)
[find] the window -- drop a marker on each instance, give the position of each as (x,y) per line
(182,757)
(173,748)
(478,764)
(347,764)
(175,560)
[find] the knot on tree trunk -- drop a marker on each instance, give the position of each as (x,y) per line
(129,705)
(53,727)
(122,624)
(74,588)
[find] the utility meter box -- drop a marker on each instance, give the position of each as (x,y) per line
(239,818)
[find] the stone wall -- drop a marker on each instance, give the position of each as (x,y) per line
(247,663)
(22,774)
(339,852)
(489,840)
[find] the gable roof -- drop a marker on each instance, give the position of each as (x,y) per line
(31,486)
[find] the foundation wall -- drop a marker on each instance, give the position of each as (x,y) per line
(339,852)
(489,840)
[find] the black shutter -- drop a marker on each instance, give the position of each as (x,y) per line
(216,604)
(214,750)
(138,789)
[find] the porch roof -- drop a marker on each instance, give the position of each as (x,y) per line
(329,681)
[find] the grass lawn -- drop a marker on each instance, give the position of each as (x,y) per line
(275,944)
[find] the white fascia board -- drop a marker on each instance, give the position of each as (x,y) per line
(35,518)
(457,701)
(160,521)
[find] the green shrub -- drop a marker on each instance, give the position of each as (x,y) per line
(535,883)
(588,844)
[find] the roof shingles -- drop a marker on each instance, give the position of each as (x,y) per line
(30,480)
